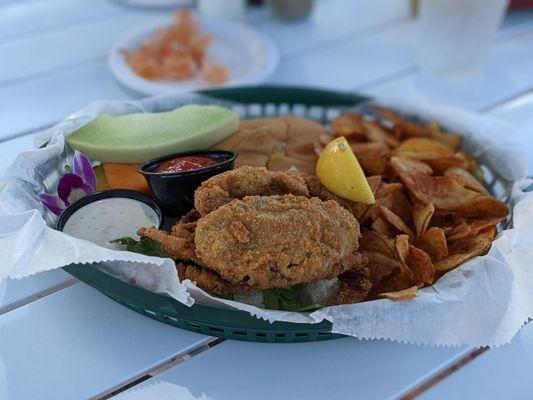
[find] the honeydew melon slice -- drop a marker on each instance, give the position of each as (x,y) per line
(136,138)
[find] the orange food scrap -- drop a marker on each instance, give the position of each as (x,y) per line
(177,52)
(125,176)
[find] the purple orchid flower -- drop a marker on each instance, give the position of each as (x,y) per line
(72,186)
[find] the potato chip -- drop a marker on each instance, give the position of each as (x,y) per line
(381,266)
(473,166)
(483,207)
(438,156)
(406,128)
(395,220)
(387,188)
(401,248)
(433,242)
(407,166)
(386,274)
(374,182)
(402,253)
(441,164)
(392,196)
(445,220)
(451,140)
(374,242)
(399,204)
(422,214)
(397,132)
(320,142)
(325,138)
(359,210)
(460,230)
(416,263)
(380,225)
(371,156)
(422,149)
(444,192)
(348,124)
(466,228)
(465,178)
(404,294)
(376,133)
(463,250)
(419,262)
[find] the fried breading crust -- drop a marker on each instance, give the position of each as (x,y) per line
(178,245)
(316,189)
(207,279)
(178,248)
(246,181)
(355,287)
(275,241)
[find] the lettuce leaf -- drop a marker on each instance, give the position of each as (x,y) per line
(144,246)
(287,299)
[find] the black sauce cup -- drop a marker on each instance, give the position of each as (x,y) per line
(175,191)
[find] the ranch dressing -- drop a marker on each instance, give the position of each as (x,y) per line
(111,218)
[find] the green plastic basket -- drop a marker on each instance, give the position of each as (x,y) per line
(231,324)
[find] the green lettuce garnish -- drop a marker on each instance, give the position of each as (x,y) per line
(229,296)
(287,299)
(144,246)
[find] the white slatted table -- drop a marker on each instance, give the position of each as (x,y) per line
(503,373)
(77,343)
(337,369)
(61,339)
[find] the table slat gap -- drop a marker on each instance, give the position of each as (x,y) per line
(75,22)
(164,365)
(428,383)
(54,71)
(505,102)
(38,295)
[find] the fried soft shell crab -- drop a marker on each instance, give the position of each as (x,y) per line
(264,232)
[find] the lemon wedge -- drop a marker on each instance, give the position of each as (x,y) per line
(339,171)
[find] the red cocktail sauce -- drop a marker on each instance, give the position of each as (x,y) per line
(185,163)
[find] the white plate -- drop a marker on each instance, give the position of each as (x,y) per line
(249,56)
(155,3)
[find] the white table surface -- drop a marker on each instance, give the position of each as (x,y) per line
(503,373)
(77,343)
(61,339)
(339,369)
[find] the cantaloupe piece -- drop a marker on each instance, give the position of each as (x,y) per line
(137,138)
(125,176)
